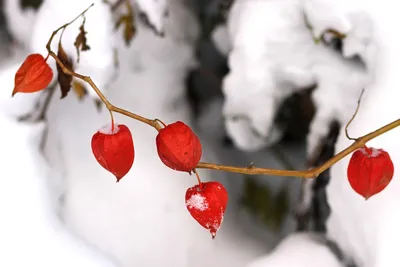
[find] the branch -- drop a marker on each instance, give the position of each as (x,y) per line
(353,117)
(332,31)
(311,173)
(249,170)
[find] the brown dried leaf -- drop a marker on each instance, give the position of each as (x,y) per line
(129,33)
(63,79)
(79,89)
(129,30)
(128,22)
(81,40)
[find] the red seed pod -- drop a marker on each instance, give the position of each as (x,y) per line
(370,170)
(178,147)
(207,204)
(34,75)
(113,149)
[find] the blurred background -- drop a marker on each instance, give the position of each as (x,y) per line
(263,83)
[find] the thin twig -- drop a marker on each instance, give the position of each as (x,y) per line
(160,121)
(198,179)
(112,121)
(311,173)
(65,26)
(352,118)
(249,170)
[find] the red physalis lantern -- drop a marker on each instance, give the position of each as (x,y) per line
(370,170)
(178,147)
(113,149)
(206,202)
(34,75)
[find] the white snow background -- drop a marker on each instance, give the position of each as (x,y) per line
(142,220)
(365,230)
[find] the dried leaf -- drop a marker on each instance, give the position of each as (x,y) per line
(128,22)
(129,33)
(81,40)
(129,30)
(79,89)
(64,79)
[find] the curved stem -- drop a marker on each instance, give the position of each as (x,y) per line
(160,121)
(198,179)
(112,121)
(352,118)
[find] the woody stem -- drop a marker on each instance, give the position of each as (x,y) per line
(160,121)
(198,179)
(249,170)
(112,121)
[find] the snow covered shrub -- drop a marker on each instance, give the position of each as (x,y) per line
(19,21)
(31,232)
(125,220)
(349,18)
(299,250)
(365,231)
(154,13)
(272,62)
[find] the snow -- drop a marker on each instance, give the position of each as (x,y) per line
(109,129)
(268,66)
(123,220)
(349,17)
(197,202)
(156,11)
(31,234)
(299,250)
(316,11)
(142,221)
(371,152)
(15,17)
(367,230)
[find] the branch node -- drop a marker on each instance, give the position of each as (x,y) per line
(353,117)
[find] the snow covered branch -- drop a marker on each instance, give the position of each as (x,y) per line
(251,170)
